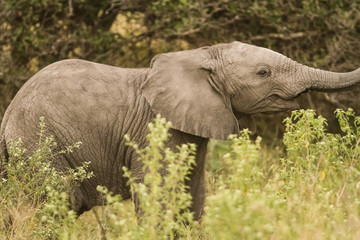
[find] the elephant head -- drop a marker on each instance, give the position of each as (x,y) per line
(212,91)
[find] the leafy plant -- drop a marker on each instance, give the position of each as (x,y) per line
(310,193)
(34,196)
(163,199)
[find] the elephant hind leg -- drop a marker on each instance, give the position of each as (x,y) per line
(77,203)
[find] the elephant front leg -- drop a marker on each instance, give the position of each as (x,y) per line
(196,185)
(197,191)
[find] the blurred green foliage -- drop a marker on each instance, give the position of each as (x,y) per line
(319,33)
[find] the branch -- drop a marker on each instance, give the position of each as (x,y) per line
(282,36)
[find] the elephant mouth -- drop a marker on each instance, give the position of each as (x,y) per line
(284,104)
(275,103)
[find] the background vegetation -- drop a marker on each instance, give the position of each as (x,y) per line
(128,33)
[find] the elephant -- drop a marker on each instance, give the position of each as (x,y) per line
(209,92)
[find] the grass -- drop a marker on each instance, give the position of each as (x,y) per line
(309,188)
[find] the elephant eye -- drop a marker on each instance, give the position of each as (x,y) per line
(263,72)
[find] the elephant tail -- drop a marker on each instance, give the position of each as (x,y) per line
(4,155)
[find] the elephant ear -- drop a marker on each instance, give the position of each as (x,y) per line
(180,88)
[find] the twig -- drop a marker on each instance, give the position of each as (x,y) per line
(283,36)
(71,8)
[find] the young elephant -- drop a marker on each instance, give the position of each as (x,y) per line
(209,92)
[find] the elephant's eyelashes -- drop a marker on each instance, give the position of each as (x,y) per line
(264,72)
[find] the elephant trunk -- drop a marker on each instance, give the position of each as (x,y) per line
(317,79)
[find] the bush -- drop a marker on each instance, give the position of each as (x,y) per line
(34,196)
(163,198)
(310,192)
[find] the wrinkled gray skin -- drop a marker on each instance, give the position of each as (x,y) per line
(209,92)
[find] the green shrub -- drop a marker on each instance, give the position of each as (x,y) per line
(163,198)
(34,196)
(310,193)
(240,209)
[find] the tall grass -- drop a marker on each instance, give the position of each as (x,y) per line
(310,189)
